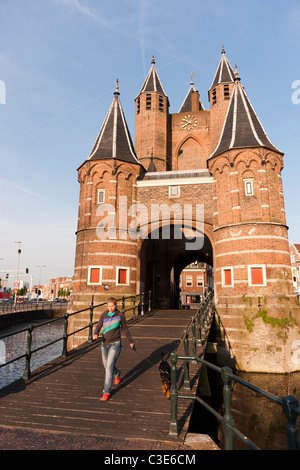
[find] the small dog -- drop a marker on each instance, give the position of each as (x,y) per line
(165,376)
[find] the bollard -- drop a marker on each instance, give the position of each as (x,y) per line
(150,301)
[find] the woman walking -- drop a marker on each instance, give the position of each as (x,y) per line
(111,321)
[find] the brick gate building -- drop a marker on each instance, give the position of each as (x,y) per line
(199,185)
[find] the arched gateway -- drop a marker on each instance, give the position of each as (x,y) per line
(198,184)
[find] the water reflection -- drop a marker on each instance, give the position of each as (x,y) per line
(15,345)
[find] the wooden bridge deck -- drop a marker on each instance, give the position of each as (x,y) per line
(64,395)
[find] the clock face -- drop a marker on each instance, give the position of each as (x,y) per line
(189,122)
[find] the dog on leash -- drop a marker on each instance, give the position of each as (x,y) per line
(165,376)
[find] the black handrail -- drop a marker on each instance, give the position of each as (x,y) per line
(144,303)
(289,404)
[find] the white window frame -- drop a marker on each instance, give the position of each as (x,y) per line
(200,280)
(127,275)
(100,191)
(89,276)
(227,268)
(190,276)
(248,184)
(171,188)
(263,266)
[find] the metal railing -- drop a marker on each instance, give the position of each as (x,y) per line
(11,307)
(289,404)
(139,304)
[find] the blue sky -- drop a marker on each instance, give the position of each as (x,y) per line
(59,61)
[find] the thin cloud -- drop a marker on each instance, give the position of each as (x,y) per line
(18,187)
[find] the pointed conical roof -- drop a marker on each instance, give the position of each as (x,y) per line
(152,82)
(187,102)
(224,73)
(242,128)
(114,140)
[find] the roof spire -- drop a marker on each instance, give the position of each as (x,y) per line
(152,82)
(236,74)
(114,140)
(117,87)
(224,73)
(242,128)
(187,102)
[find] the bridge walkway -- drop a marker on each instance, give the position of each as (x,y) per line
(61,400)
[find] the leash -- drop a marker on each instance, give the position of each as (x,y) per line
(146,359)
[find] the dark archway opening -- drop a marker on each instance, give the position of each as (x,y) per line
(163,259)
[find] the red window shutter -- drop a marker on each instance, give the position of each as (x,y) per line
(95,275)
(227,277)
(122,276)
(257,276)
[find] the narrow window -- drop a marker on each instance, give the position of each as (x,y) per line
(148,101)
(161,103)
(199,281)
(189,281)
(122,276)
(100,196)
(226,92)
(227,277)
(257,275)
(94,275)
(214,96)
(138,103)
(249,191)
(174,191)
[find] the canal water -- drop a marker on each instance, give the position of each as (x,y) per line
(15,345)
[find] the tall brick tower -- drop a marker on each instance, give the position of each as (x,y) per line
(251,257)
(151,127)
(105,255)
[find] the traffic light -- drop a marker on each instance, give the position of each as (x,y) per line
(27,270)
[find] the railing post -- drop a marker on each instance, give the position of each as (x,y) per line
(27,372)
(186,381)
(150,301)
(123,305)
(228,420)
(90,337)
(142,303)
(289,404)
(133,307)
(173,430)
(194,336)
(65,336)
(199,339)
